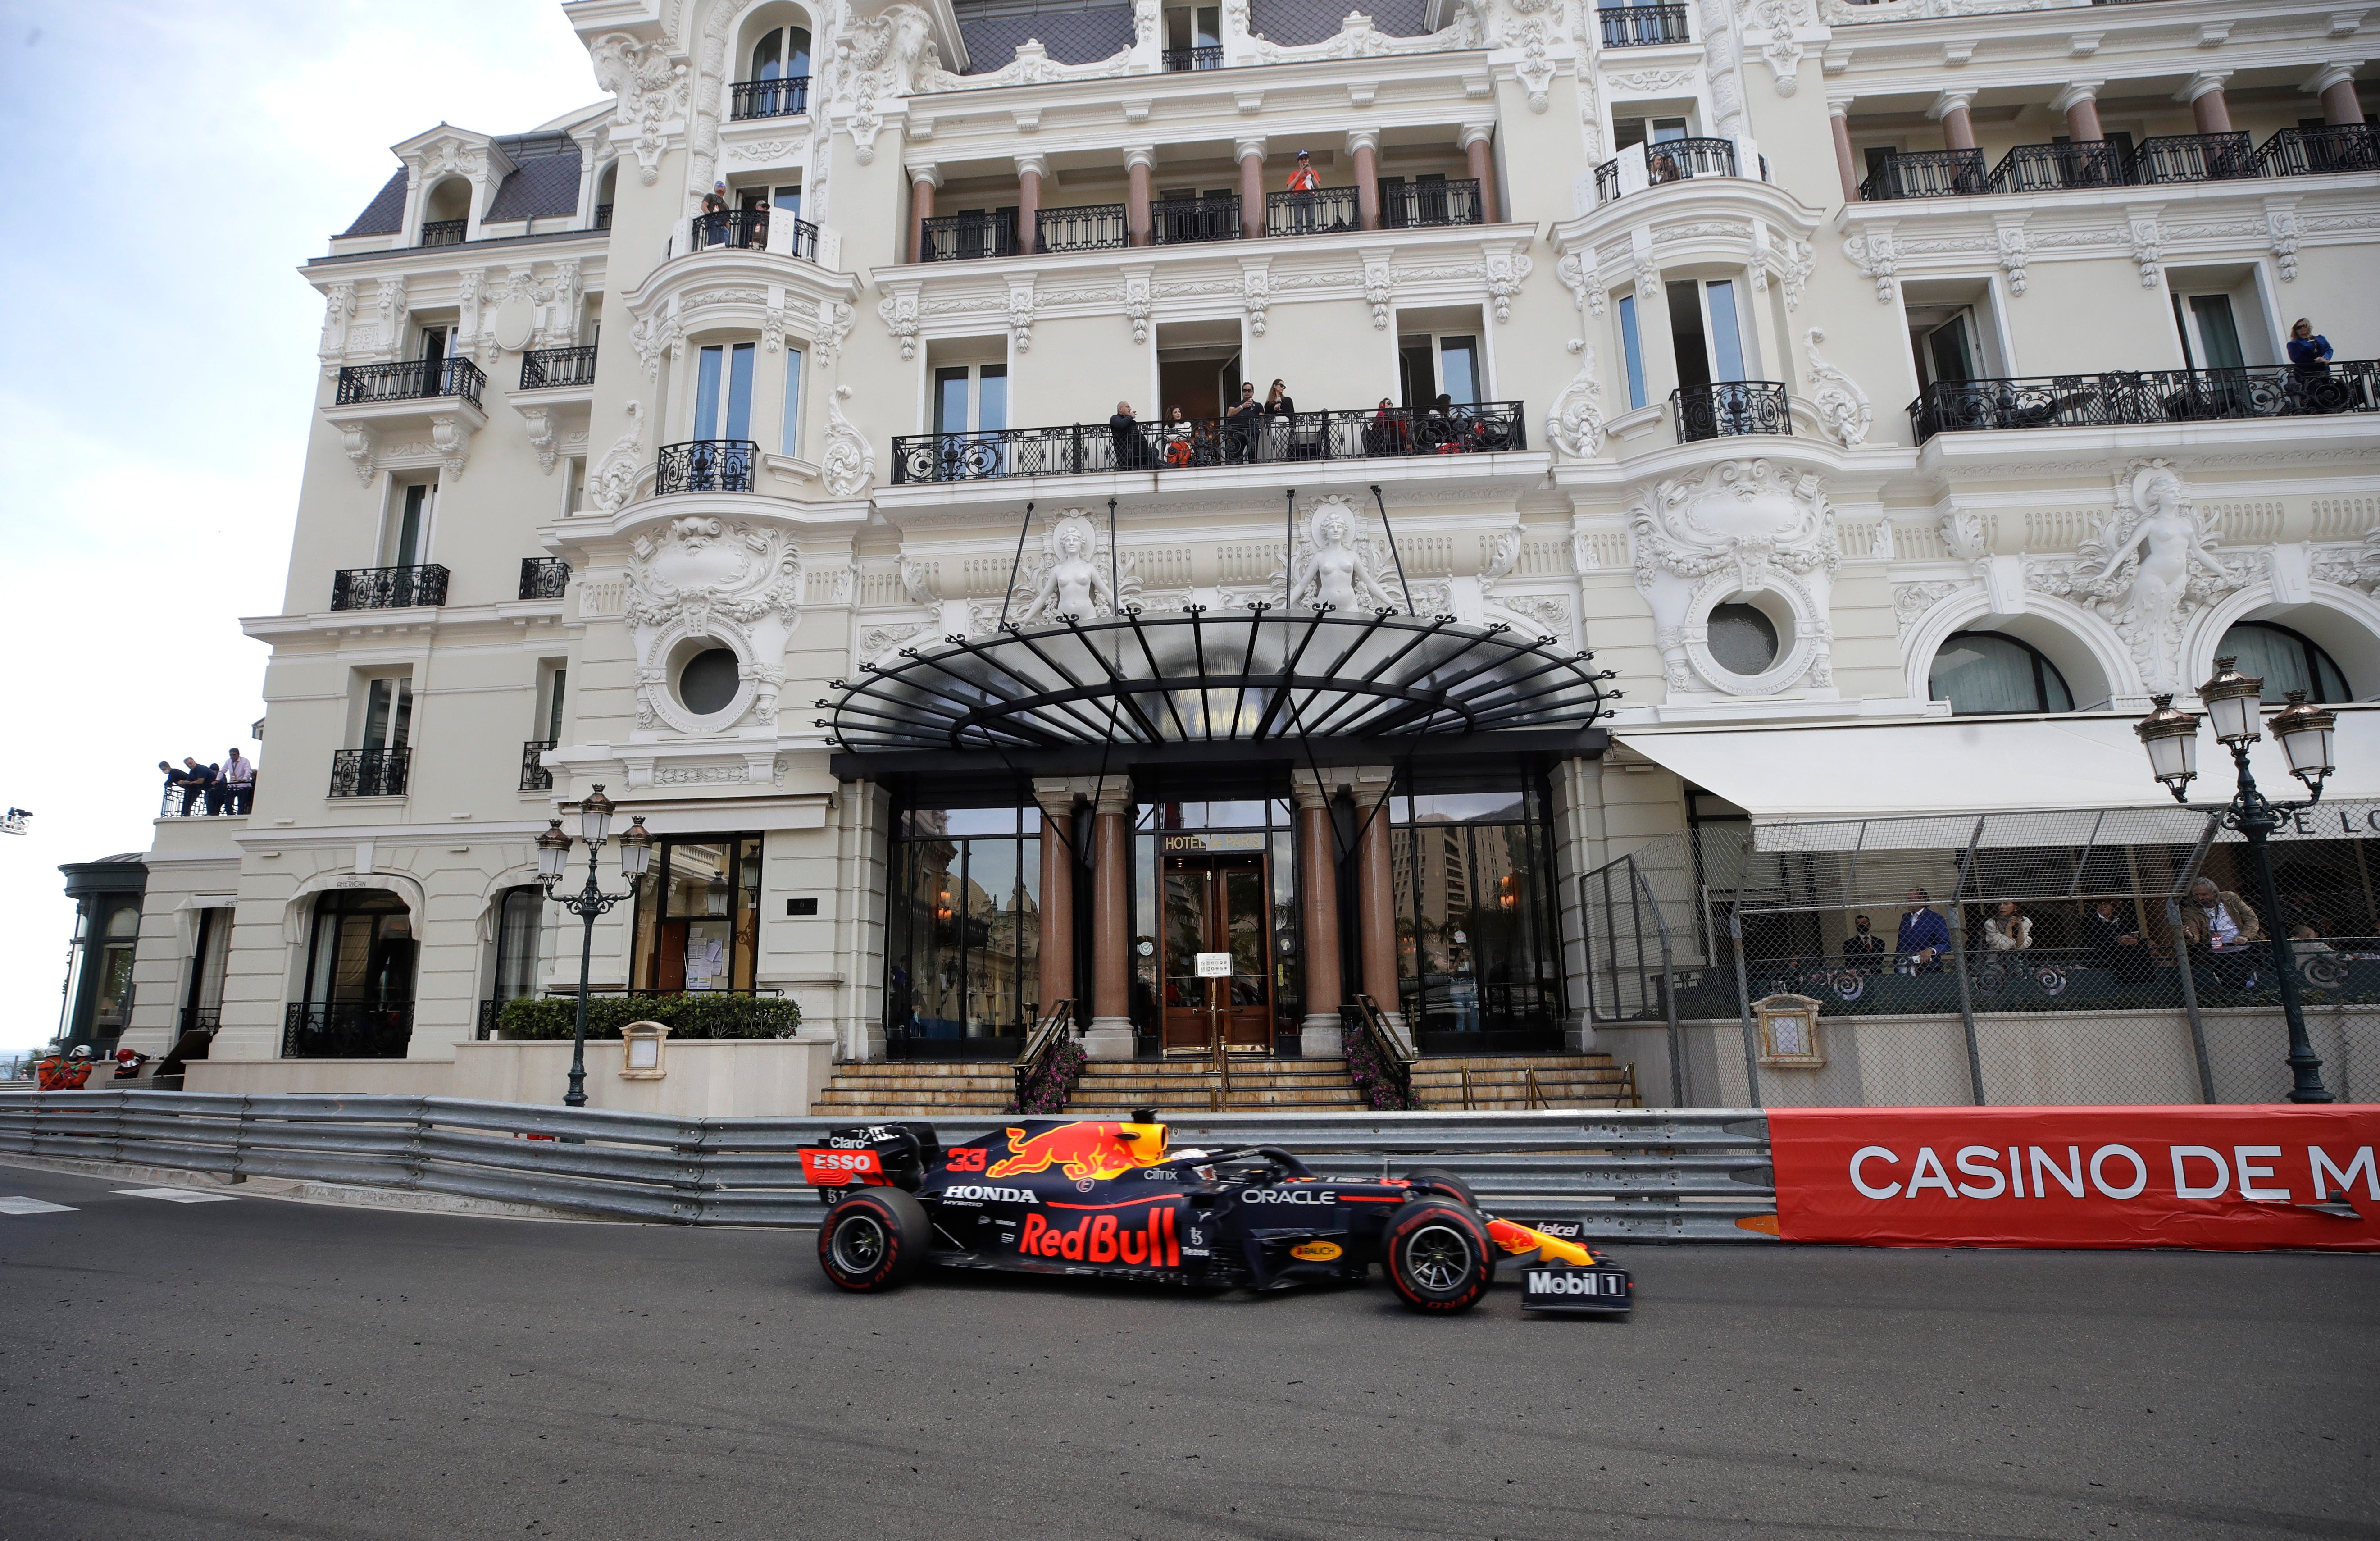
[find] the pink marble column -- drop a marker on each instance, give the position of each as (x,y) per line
(1251,189)
(1846,163)
(1476,139)
(923,180)
(1138,162)
(1363,145)
(2339,102)
(1029,172)
(1319,911)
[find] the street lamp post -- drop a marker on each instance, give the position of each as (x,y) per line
(2233,703)
(553,858)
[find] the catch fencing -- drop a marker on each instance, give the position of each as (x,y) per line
(2009,958)
(1626,1173)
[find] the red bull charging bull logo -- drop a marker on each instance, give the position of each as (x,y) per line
(1085,1152)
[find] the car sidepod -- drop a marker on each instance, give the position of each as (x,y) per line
(1308,1230)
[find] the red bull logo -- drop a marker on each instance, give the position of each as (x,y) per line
(1148,1241)
(1085,1152)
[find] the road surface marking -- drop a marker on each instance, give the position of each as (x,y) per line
(177,1196)
(23,1206)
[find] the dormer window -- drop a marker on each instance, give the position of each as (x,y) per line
(447,213)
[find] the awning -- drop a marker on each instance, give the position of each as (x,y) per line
(1965,766)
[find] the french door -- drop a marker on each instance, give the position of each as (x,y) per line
(1217,935)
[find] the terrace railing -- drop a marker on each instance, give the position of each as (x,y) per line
(2145,396)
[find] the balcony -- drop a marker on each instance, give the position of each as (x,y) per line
(2317,152)
(388,587)
(368,772)
(1675,161)
(2031,168)
(1926,174)
(785,98)
(1416,205)
(535,777)
(444,232)
(1182,220)
(415,379)
(543,577)
(547,369)
(1729,407)
(706,466)
(2193,158)
(1325,210)
(347,1030)
(223,799)
(1179,61)
(967,237)
(2130,397)
(1081,449)
(1085,227)
(1642,26)
(747,230)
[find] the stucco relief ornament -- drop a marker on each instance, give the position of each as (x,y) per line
(900,313)
(2151,567)
(1070,581)
(2015,253)
(1577,271)
(647,88)
(1839,403)
(1338,569)
(614,480)
(1535,69)
(849,464)
(881,59)
(1505,271)
(653,336)
(338,305)
(1576,423)
(834,325)
(1137,305)
(1255,297)
(1782,52)
(1873,255)
(1741,527)
(701,581)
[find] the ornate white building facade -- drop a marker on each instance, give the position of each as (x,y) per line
(1772,351)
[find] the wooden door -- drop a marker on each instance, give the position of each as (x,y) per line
(1215,906)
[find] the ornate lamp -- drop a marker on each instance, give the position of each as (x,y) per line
(552,854)
(2305,734)
(595,817)
(636,849)
(2171,739)
(2234,704)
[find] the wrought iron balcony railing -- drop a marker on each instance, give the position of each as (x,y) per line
(207,802)
(201,1019)
(1084,449)
(2047,167)
(967,237)
(747,230)
(1729,407)
(2144,396)
(534,776)
(1181,221)
(545,368)
(444,232)
(1318,212)
(769,98)
(1085,227)
(1429,204)
(1181,60)
(414,380)
(347,1030)
(1926,174)
(603,216)
(706,466)
(1675,161)
(2314,152)
(388,587)
(2193,158)
(543,577)
(1642,26)
(368,772)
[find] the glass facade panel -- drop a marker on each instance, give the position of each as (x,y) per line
(697,923)
(2285,661)
(963,940)
(1477,952)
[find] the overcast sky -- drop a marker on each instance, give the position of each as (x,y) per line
(169,164)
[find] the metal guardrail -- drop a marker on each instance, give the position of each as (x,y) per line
(1628,1174)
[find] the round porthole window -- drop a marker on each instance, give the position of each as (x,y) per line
(708,682)
(1743,640)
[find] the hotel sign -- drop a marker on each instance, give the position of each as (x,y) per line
(1251,840)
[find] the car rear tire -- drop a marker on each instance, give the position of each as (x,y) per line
(1437,1180)
(873,1239)
(1436,1253)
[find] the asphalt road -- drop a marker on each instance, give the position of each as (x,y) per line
(262,1367)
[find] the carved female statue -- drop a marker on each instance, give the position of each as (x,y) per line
(1336,575)
(1072,585)
(2169,541)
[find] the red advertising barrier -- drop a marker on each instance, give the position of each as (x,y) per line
(2211,1178)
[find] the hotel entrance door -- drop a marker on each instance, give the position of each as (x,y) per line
(1217,945)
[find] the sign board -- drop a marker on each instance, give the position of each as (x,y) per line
(1251,840)
(1214,966)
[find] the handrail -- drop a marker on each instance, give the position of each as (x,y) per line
(1396,1060)
(1222,1051)
(2145,396)
(1536,1092)
(1032,1066)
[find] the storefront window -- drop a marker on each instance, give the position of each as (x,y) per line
(962,967)
(697,915)
(1216,876)
(1477,956)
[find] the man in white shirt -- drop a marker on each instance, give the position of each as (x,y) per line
(239,781)
(2228,928)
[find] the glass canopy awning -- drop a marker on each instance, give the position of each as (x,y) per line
(1218,678)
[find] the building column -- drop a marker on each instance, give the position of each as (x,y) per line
(2079,102)
(1957,128)
(1318,897)
(1251,153)
(1110,1037)
(2204,94)
(1376,893)
(2335,86)
(1138,162)
(1474,141)
(1030,169)
(923,180)
(1364,144)
(1057,800)
(1847,165)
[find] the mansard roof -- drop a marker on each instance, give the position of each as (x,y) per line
(543,183)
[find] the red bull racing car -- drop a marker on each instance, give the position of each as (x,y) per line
(1088,1196)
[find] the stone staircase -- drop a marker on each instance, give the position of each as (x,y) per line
(865,1089)
(1498,1083)
(1261,1083)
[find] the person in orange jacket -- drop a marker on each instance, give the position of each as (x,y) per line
(1302,184)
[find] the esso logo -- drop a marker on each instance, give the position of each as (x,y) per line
(833,1169)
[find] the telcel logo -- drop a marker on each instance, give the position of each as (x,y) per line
(1289,1195)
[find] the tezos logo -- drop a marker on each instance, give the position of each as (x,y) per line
(1289,1195)
(996,1195)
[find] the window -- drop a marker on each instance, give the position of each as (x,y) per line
(970,398)
(1704,330)
(1632,346)
(519,914)
(388,712)
(1947,352)
(436,343)
(1980,672)
(781,54)
(203,1007)
(1626,131)
(1194,27)
(697,915)
(790,432)
(574,484)
(1447,364)
(2210,338)
(120,938)
(2285,660)
(1742,640)
(363,951)
(557,681)
(709,682)
(962,950)
(407,543)
(722,391)
(1477,956)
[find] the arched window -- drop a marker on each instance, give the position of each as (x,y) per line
(359,1001)
(2285,660)
(1980,672)
(447,213)
(781,54)
(606,189)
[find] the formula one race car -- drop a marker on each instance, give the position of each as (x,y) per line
(1089,1196)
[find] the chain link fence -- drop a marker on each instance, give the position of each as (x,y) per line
(2088,957)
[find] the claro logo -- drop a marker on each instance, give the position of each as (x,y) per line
(2262,1172)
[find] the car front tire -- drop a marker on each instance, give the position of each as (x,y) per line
(1437,1180)
(873,1239)
(1437,1255)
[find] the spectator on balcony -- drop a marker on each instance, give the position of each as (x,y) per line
(714,215)
(1281,415)
(1303,186)
(2113,943)
(1178,435)
(756,224)
(2008,932)
(1863,950)
(1131,447)
(1388,432)
(2220,924)
(1241,423)
(238,782)
(201,780)
(178,778)
(1924,936)
(2309,350)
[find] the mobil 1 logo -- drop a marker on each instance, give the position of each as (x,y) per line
(1557,1288)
